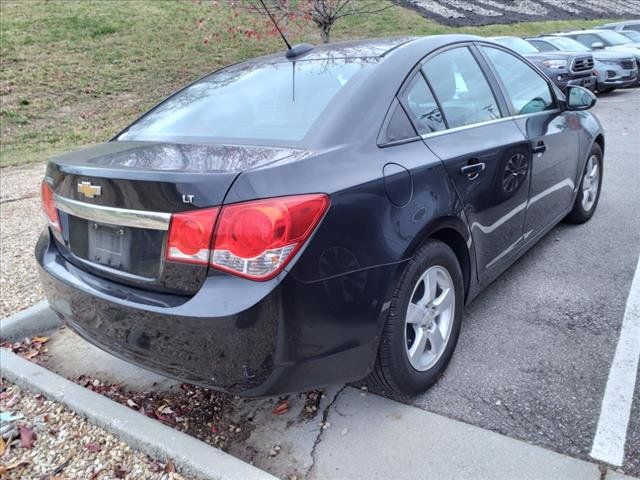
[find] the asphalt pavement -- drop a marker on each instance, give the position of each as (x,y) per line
(536,347)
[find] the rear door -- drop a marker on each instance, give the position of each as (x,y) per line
(552,135)
(485,154)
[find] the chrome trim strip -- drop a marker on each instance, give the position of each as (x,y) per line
(112,215)
(487,122)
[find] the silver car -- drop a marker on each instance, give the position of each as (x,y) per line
(613,69)
(630,25)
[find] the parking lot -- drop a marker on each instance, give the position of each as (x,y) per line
(533,359)
(536,347)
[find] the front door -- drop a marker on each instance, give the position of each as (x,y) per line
(553,139)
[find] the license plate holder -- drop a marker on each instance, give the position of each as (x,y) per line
(109,245)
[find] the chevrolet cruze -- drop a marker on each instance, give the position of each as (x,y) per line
(318,215)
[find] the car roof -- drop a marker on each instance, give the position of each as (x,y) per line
(373,47)
(626,22)
(586,30)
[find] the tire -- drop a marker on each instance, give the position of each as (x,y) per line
(394,371)
(588,195)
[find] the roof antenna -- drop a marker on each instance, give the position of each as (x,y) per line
(294,51)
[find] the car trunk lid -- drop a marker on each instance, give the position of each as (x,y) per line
(115,202)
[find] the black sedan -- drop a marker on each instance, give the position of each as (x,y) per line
(316,216)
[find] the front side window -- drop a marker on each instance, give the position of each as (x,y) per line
(568,44)
(527,90)
(461,88)
(271,101)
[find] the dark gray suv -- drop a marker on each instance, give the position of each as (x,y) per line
(563,68)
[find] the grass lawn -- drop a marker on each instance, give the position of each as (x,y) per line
(75,72)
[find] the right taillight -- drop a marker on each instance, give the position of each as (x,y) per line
(49,205)
(257,239)
(254,239)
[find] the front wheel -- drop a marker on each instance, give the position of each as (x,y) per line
(590,186)
(423,322)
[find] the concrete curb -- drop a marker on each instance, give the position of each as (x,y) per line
(191,456)
(34,320)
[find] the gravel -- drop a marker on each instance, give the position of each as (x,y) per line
(22,222)
(66,446)
(484,12)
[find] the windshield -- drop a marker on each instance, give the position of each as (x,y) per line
(613,38)
(521,46)
(270,101)
(568,44)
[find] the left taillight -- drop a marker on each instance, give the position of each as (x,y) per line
(49,205)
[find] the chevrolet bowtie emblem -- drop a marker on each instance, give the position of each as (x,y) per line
(89,190)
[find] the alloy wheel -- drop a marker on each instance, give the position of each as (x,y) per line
(590,183)
(429,318)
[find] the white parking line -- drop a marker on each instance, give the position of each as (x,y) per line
(611,434)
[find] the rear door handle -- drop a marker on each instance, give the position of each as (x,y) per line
(472,170)
(539,148)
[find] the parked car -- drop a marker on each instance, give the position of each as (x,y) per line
(314,216)
(605,39)
(564,68)
(620,27)
(631,35)
(613,69)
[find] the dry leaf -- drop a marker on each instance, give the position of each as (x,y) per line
(93,447)
(3,446)
(281,408)
(27,437)
(40,339)
(5,468)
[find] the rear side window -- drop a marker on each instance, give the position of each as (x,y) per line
(527,90)
(461,88)
(272,101)
(399,127)
(588,39)
(542,46)
(423,107)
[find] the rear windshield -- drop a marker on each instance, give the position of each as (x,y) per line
(271,101)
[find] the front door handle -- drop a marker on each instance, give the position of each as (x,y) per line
(472,170)
(539,148)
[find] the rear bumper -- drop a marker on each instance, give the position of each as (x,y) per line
(250,338)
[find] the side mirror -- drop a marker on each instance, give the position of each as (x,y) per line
(579,98)
(597,46)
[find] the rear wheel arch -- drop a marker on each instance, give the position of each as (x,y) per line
(449,231)
(600,141)
(456,242)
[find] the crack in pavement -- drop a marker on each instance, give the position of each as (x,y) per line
(17,199)
(318,439)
